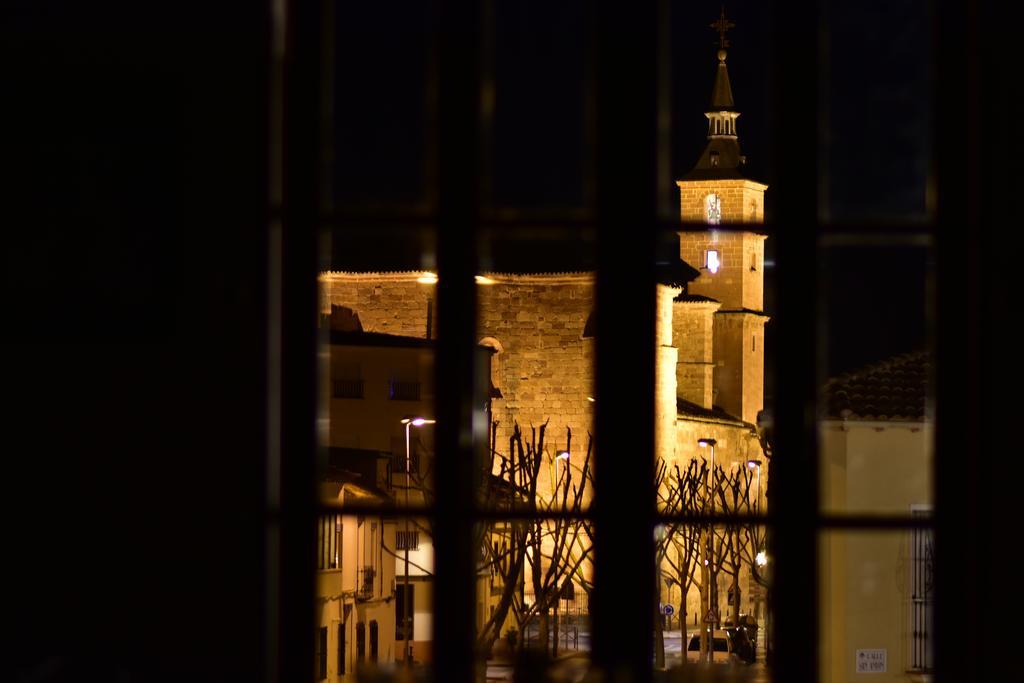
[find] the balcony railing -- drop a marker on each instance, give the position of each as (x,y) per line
(348,388)
(404,391)
(364,586)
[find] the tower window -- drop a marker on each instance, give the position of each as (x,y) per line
(713,209)
(712,261)
(714,158)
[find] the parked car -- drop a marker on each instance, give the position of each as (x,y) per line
(722,651)
(742,644)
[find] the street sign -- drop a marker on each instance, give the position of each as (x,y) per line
(871,661)
(668,610)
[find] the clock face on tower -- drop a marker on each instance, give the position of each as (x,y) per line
(713,209)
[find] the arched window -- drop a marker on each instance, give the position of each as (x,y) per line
(713,209)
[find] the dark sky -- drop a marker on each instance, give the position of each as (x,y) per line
(873,161)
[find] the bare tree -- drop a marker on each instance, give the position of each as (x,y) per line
(695,554)
(677,545)
(547,544)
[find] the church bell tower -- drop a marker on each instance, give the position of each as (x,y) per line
(722,210)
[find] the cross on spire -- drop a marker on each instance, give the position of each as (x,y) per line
(722,26)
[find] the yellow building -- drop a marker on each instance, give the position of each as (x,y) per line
(376,383)
(710,333)
(876,446)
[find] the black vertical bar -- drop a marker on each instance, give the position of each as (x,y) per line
(458,132)
(793,510)
(626,36)
(298,342)
(960,631)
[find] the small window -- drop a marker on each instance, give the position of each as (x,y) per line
(347,380)
(407,540)
(714,158)
(404,612)
(404,391)
(921,594)
(374,641)
(753,260)
(712,260)
(341,649)
(753,343)
(329,541)
(321,654)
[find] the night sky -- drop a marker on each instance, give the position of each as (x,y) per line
(873,163)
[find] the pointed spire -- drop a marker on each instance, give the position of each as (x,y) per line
(721,157)
(721,94)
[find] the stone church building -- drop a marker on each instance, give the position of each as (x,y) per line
(710,320)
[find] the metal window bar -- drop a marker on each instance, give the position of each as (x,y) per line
(347,388)
(403,391)
(795,518)
(407,539)
(921,596)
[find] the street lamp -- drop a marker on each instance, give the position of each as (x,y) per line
(409,423)
(756,464)
(709,635)
(706,443)
(562,455)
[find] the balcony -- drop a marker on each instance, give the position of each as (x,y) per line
(364,584)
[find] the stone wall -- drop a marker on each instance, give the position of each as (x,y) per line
(545,371)
(391,303)
(693,332)
(739,282)
(742,201)
(544,364)
(666,359)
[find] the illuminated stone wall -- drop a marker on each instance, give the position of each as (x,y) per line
(544,367)
(693,330)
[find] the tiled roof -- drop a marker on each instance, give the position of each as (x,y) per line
(685,409)
(695,299)
(892,390)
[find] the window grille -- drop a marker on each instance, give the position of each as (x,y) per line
(404,391)
(329,542)
(921,596)
(321,653)
(407,540)
(796,518)
(348,388)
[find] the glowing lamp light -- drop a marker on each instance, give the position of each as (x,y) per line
(590,398)
(427,278)
(753,464)
(713,263)
(761,558)
(563,455)
(483,280)
(417,421)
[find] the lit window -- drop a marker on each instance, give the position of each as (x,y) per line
(713,209)
(711,260)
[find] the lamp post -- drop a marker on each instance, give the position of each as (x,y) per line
(710,550)
(562,455)
(409,423)
(756,464)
